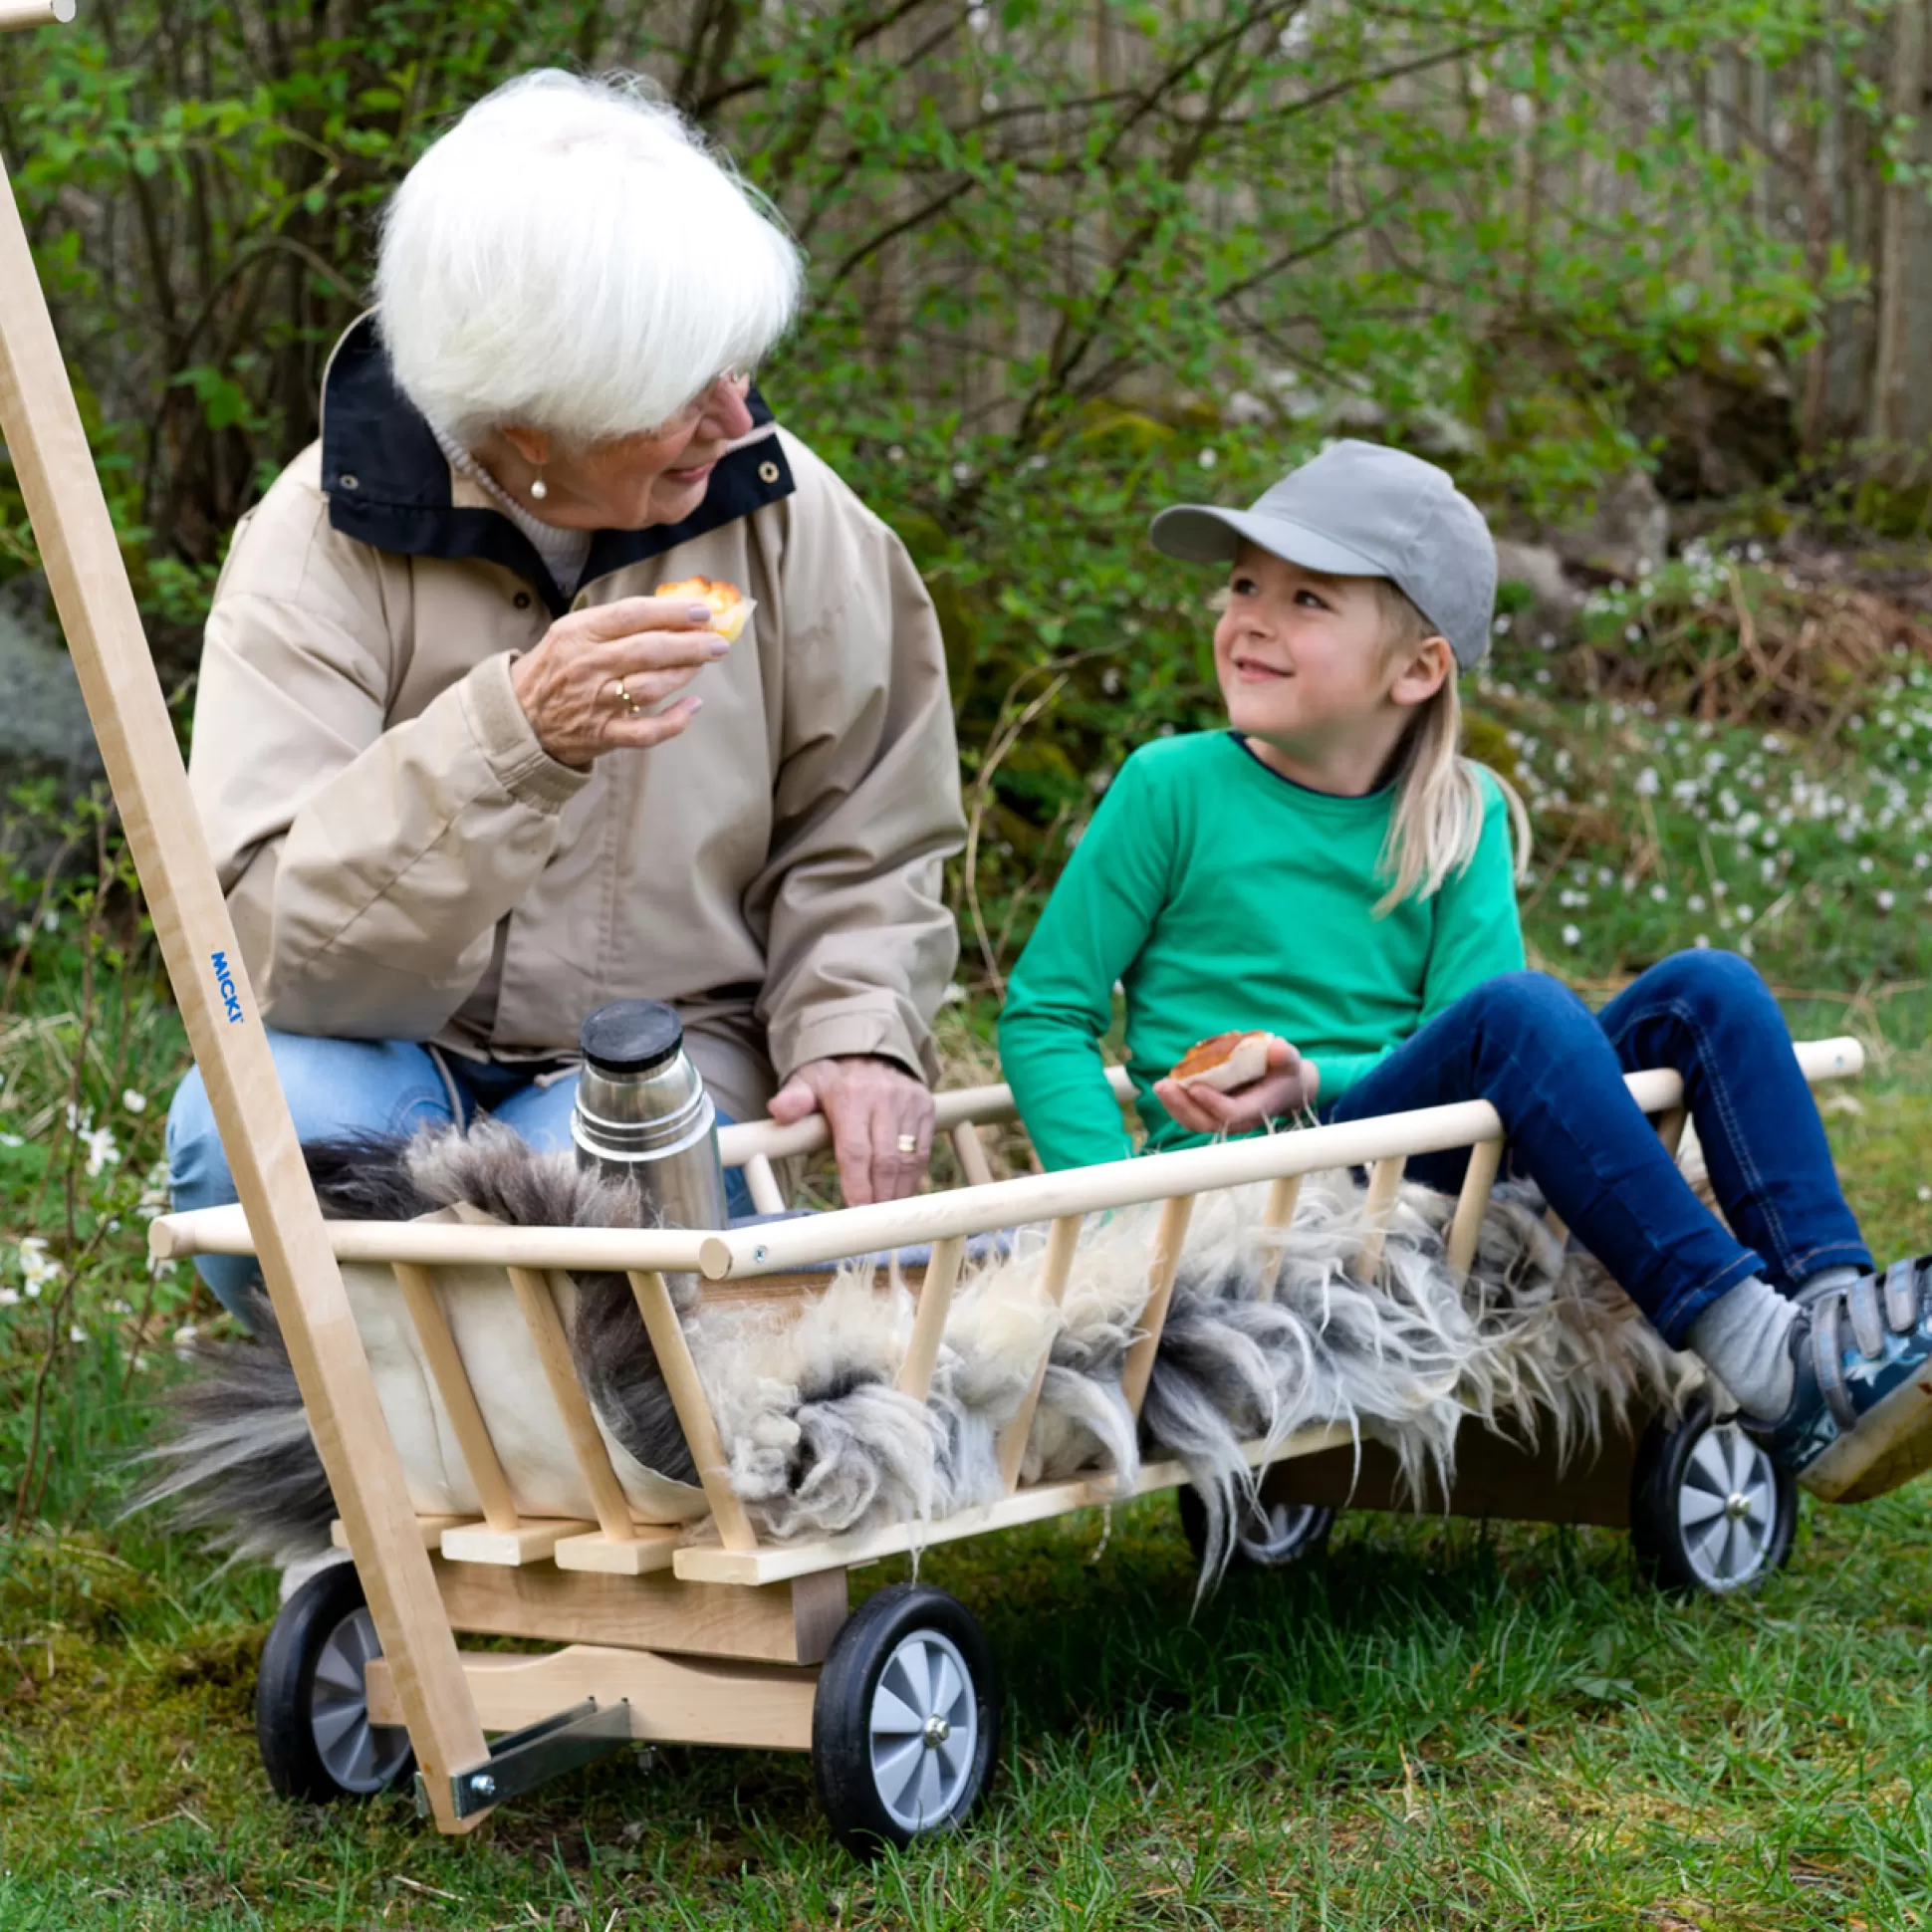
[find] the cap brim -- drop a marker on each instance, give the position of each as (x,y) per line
(1201,534)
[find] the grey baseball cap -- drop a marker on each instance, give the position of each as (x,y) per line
(1364,510)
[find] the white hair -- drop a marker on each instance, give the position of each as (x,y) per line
(570,258)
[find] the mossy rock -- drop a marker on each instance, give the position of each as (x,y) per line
(1891,509)
(1486,741)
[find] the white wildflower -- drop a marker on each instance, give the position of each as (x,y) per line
(134,1100)
(1647,782)
(1885,901)
(37,1266)
(1572,936)
(102,1150)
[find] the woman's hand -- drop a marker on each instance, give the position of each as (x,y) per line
(873,1107)
(590,685)
(1289,1083)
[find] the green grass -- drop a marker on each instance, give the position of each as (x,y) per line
(1437,1725)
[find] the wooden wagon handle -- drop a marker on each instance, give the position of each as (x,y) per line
(41,425)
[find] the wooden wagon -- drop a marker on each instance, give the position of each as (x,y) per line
(707,1633)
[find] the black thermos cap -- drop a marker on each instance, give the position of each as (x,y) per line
(630,1036)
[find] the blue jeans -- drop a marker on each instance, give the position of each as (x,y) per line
(1555,1071)
(338,1087)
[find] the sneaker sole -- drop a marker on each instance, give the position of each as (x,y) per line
(1891,1444)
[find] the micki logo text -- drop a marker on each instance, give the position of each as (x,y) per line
(225,985)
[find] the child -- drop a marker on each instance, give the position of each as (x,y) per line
(1330,870)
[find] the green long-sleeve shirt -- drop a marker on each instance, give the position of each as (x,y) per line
(1225,897)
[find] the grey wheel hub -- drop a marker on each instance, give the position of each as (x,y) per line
(1276,1531)
(359,1756)
(1727,1508)
(924,1731)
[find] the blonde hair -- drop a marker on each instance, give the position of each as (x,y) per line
(1437,822)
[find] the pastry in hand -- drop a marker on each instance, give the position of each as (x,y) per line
(1225,1061)
(729,606)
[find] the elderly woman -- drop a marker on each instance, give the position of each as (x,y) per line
(467,778)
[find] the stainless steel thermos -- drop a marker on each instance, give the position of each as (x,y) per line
(642,1114)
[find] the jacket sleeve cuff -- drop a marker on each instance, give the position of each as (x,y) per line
(846,1033)
(525,769)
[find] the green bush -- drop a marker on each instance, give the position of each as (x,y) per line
(1069,262)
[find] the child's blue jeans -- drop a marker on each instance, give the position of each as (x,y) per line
(340,1088)
(1555,1071)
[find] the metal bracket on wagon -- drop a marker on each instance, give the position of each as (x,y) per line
(520,1760)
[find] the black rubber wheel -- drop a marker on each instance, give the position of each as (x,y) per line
(1273,1535)
(1708,1509)
(905,1728)
(310,1708)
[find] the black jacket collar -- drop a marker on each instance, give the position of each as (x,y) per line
(388,483)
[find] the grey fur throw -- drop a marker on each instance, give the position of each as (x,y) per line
(1538,1341)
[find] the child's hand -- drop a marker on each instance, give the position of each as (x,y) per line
(1289,1083)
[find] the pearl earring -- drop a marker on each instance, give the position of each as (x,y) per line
(539,489)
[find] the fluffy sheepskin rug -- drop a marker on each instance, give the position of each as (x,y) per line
(1538,1341)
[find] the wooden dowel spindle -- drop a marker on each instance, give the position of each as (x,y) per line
(929,1325)
(1384,1180)
(539,1306)
(1061,1238)
(693,1406)
(1277,1215)
(761,1183)
(971,1154)
(1168,1240)
(1485,1158)
(452,1379)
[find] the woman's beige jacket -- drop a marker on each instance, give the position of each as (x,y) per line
(404,861)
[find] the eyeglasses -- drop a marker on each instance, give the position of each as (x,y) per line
(692,410)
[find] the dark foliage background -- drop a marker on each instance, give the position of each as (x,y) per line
(1070,261)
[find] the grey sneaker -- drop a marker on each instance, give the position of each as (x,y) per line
(1860,1418)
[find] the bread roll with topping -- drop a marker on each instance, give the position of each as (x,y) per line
(729,605)
(1224,1062)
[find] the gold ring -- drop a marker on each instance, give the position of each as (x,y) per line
(624,698)
(908,1143)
